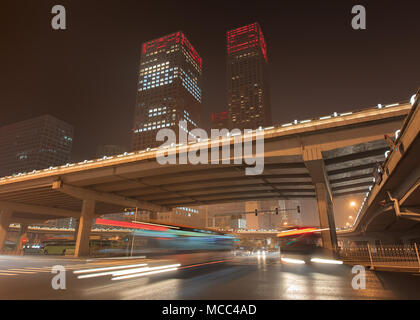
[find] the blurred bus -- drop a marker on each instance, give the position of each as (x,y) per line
(65,246)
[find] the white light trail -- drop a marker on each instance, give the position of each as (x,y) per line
(136,271)
(294,261)
(109,270)
(327,261)
(144,274)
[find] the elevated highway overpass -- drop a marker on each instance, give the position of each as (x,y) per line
(319,158)
(391,207)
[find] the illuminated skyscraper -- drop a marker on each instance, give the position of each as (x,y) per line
(168,90)
(247,75)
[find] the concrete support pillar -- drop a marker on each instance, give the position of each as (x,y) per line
(22,235)
(312,156)
(326,217)
(5,220)
(83,232)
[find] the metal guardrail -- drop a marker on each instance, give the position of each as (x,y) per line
(383,256)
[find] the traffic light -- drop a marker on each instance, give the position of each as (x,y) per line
(256,212)
(298,209)
(277,211)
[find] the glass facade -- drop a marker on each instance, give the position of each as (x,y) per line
(169,89)
(247,77)
(34,144)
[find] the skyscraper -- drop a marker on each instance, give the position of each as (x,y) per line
(169,89)
(34,144)
(247,77)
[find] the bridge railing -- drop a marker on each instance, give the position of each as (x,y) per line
(383,256)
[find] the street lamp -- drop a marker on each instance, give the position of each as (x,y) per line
(135,219)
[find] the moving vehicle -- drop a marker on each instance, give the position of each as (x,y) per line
(305,248)
(50,247)
(67,247)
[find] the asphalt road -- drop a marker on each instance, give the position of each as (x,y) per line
(196,277)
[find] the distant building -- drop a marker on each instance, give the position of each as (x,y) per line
(247,77)
(34,144)
(289,213)
(66,223)
(226,215)
(186,216)
(168,89)
(109,150)
(220,120)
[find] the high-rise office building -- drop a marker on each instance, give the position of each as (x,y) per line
(169,89)
(34,144)
(247,77)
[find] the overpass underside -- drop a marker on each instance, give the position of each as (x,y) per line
(321,160)
(392,206)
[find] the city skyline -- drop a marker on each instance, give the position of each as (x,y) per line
(101,83)
(190,154)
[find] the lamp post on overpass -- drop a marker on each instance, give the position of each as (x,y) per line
(353,205)
(132,238)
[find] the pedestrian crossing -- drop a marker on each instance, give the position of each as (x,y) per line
(28,271)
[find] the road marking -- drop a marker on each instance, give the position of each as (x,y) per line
(81,266)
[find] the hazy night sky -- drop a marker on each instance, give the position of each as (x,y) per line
(87,74)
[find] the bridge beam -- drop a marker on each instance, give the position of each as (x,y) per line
(5,220)
(84,228)
(84,194)
(315,164)
(35,209)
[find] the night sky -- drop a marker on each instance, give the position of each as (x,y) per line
(87,74)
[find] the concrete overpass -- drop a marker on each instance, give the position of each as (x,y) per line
(392,206)
(318,158)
